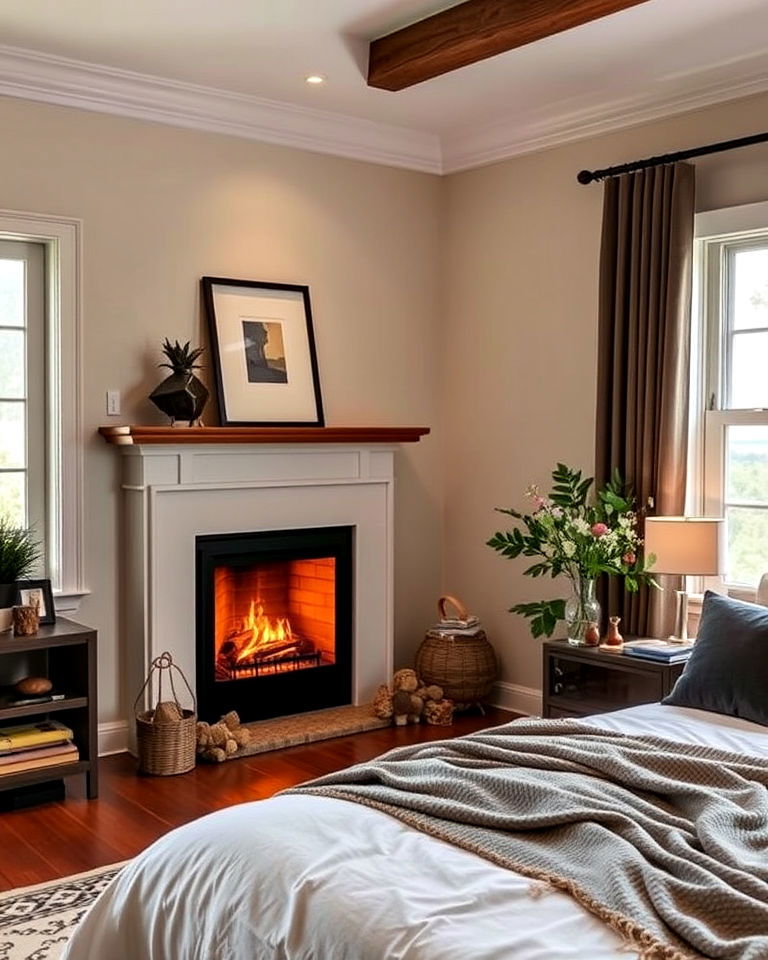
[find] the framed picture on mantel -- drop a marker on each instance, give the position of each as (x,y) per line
(264,354)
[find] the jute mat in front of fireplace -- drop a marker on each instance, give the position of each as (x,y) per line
(308,728)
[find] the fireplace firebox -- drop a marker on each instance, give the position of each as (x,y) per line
(274,622)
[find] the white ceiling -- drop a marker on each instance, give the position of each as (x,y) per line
(660,57)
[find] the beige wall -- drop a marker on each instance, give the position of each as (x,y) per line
(469,301)
(162,207)
(520,333)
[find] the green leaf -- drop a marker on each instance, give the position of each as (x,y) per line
(509,512)
(543,614)
(537,569)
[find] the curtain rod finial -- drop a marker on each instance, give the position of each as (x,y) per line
(585,176)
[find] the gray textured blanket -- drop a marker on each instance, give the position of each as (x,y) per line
(666,842)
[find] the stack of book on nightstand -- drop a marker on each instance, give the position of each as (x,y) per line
(662,651)
(32,746)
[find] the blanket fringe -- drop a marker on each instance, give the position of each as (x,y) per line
(539,888)
(641,943)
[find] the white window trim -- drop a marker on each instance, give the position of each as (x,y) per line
(62,237)
(707,459)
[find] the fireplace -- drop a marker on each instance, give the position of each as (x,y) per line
(274,621)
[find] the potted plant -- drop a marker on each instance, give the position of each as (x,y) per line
(181,395)
(19,554)
(574,534)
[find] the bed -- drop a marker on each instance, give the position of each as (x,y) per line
(305,876)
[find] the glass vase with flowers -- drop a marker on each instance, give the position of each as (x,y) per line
(578,533)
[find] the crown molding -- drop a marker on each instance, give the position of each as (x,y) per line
(30,75)
(501,141)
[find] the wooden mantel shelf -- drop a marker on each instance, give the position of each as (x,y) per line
(126,436)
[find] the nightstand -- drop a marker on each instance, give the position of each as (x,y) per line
(583,680)
(66,653)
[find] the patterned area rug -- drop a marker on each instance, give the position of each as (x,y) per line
(36,922)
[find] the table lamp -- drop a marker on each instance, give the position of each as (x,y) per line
(685,546)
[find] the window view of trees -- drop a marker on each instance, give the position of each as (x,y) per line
(12,391)
(746,467)
(747,491)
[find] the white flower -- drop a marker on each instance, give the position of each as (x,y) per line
(580,526)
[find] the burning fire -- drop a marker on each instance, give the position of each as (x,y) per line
(264,631)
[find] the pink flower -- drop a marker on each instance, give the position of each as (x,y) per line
(629,558)
(538,503)
(598,529)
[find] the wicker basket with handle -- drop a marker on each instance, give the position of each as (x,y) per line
(165,746)
(462,663)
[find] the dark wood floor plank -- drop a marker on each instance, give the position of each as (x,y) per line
(57,839)
(20,864)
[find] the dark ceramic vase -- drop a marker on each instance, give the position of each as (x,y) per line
(181,396)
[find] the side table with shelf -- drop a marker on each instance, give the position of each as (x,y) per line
(65,652)
(579,681)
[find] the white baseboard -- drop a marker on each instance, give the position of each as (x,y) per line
(511,696)
(113,737)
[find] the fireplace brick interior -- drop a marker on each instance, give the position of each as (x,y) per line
(298,594)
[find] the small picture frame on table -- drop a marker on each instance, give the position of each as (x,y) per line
(263,348)
(37,592)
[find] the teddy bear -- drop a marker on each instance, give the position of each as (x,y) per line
(217,741)
(407,701)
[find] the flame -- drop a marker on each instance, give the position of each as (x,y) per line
(264,631)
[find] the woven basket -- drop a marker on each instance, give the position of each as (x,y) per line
(464,666)
(165,748)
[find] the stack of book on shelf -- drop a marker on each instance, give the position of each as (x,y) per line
(33,746)
(663,651)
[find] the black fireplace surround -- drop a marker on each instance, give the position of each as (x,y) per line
(279,694)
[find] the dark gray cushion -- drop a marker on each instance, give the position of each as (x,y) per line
(728,669)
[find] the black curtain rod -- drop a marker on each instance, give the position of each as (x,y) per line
(590,176)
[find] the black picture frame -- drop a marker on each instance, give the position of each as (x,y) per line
(253,383)
(44,586)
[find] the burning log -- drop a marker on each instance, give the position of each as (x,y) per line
(259,644)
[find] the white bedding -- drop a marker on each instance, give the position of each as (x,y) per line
(310,878)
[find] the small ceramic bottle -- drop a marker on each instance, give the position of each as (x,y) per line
(592,634)
(614,638)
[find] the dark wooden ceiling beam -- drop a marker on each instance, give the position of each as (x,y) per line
(473,31)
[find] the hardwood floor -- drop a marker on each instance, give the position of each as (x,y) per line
(57,839)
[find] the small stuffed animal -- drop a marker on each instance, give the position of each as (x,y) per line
(217,741)
(408,699)
(439,712)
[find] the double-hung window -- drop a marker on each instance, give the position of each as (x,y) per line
(23,477)
(730,395)
(41,430)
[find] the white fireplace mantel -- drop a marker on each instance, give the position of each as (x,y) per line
(177,491)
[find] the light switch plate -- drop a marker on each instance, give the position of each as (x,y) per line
(113,403)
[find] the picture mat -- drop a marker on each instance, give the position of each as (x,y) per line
(244,401)
(28,596)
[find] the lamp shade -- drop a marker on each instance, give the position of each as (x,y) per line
(688,546)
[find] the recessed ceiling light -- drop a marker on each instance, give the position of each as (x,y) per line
(315,78)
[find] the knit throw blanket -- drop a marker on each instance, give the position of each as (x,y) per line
(665,842)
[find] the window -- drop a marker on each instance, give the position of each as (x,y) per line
(41,430)
(22,384)
(732,386)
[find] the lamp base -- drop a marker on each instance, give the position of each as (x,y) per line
(681,619)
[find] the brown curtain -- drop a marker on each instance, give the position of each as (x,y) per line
(643,360)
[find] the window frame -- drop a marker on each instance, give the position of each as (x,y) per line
(718,235)
(62,239)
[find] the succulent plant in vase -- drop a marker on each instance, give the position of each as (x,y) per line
(19,554)
(181,396)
